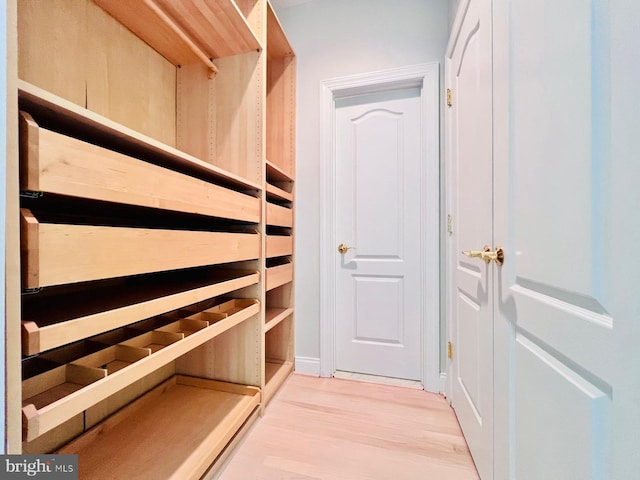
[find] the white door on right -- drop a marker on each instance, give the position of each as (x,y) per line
(555,388)
(564,365)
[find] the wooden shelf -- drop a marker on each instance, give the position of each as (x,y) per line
(277,42)
(278,215)
(188,31)
(278,193)
(56,254)
(38,420)
(275,375)
(175,431)
(279,245)
(278,275)
(273,316)
(48,108)
(142,197)
(50,321)
(55,163)
(276,173)
(218,26)
(149,22)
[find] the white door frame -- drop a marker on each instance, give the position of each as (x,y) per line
(427,77)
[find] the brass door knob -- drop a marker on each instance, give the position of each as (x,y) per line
(342,248)
(486,254)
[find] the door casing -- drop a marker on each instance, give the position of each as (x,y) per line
(425,76)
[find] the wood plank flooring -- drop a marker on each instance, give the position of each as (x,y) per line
(318,428)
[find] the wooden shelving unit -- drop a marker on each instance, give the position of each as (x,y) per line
(156,171)
(279,208)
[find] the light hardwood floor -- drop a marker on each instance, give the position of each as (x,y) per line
(336,429)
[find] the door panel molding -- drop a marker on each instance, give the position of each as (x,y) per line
(425,76)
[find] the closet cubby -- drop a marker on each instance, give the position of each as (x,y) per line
(156,176)
(278,355)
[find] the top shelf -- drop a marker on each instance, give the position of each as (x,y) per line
(93,127)
(187,31)
(277,43)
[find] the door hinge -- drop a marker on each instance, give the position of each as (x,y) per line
(449,350)
(449,97)
(449,224)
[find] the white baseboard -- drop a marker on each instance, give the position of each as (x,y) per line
(308,366)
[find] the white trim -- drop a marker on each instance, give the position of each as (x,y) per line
(425,76)
(443,383)
(308,366)
(463,6)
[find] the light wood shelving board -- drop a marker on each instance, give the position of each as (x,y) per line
(56,254)
(218,26)
(279,216)
(37,421)
(279,275)
(275,315)
(279,245)
(277,173)
(188,31)
(279,193)
(116,306)
(277,42)
(189,420)
(59,164)
(275,375)
(100,129)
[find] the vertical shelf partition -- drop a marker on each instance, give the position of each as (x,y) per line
(156,173)
(279,189)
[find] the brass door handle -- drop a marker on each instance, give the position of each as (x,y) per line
(342,248)
(486,254)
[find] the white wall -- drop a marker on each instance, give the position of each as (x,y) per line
(453,8)
(334,38)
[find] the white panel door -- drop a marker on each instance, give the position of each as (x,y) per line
(553,303)
(565,173)
(378,178)
(470,179)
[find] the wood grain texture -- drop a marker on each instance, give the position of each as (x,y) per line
(66,406)
(279,275)
(106,131)
(55,163)
(128,444)
(281,85)
(279,216)
(219,120)
(76,253)
(279,245)
(76,50)
(340,429)
(217,26)
(277,43)
(97,312)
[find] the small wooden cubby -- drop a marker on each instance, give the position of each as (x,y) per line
(156,168)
